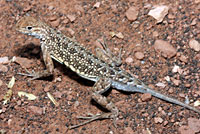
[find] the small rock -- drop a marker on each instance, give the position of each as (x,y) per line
(1,82)
(132,13)
(128,130)
(70,31)
(182,95)
(27,8)
(185,130)
(171,16)
(194,124)
(4,60)
(167,78)
(194,45)
(19,102)
(129,60)
(177,69)
(146,97)
(159,12)
(97,5)
(47,88)
(119,35)
(139,55)
(65,21)
(194,21)
(160,84)
(71,17)
(187,85)
(166,49)
(114,7)
(183,58)
(76,104)
(170,90)
(9,122)
(176,82)
(155,34)
(24,62)
(79,8)
(35,110)
(3,68)
(53,18)
(57,94)
(158,120)
(165,123)
(55,23)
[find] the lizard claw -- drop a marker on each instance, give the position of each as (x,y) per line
(92,118)
(33,74)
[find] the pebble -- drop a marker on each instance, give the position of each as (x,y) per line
(53,18)
(165,123)
(4,60)
(159,12)
(132,13)
(170,90)
(55,23)
(9,122)
(160,84)
(24,62)
(158,120)
(155,34)
(79,8)
(71,17)
(182,95)
(128,130)
(194,22)
(1,82)
(35,110)
(192,128)
(177,69)
(47,88)
(65,21)
(139,55)
(70,31)
(146,97)
(194,45)
(97,5)
(27,8)
(129,60)
(176,82)
(166,49)
(57,94)
(3,68)
(183,58)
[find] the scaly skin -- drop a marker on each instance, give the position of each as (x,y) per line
(70,53)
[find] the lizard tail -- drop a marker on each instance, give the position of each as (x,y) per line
(145,89)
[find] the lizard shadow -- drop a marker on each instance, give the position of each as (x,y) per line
(29,51)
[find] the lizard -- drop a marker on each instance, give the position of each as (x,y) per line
(67,51)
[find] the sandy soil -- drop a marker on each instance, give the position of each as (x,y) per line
(87,21)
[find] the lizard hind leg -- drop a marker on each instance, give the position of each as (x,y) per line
(106,55)
(100,87)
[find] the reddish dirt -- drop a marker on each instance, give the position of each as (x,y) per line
(91,23)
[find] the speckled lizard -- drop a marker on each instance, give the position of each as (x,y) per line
(65,50)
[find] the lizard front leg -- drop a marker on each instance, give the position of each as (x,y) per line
(48,63)
(99,88)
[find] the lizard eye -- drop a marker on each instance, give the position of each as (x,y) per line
(28,27)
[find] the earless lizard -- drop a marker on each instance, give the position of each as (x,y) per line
(65,50)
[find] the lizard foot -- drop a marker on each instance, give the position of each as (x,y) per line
(34,74)
(93,118)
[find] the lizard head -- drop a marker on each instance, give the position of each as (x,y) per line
(31,26)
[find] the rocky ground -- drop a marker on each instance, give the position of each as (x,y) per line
(160,40)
